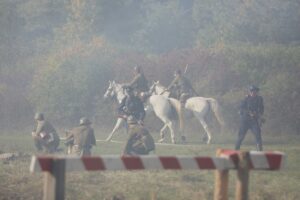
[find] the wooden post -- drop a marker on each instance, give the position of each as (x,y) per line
(242,176)
(221,182)
(54,181)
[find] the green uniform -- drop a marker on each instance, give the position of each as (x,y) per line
(139,83)
(45,137)
(140,141)
(83,139)
(183,87)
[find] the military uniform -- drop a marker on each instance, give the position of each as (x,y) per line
(83,139)
(251,110)
(140,141)
(45,136)
(183,87)
(132,105)
(139,83)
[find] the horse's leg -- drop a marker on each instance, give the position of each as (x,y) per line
(170,125)
(162,134)
(200,117)
(205,126)
(117,127)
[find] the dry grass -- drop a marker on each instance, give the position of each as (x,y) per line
(17,183)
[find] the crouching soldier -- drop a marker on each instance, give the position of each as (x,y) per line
(44,135)
(81,138)
(140,141)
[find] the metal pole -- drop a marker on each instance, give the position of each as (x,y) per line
(221,182)
(54,181)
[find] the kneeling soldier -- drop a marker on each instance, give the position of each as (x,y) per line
(140,141)
(82,138)
(44,135)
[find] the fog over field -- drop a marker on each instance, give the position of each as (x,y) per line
(58,56)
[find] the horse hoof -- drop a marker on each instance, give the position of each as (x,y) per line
(161,140)
(108,140)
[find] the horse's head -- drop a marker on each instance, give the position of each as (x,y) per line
(114,90)
(110,90)
(157,89)
(153,89)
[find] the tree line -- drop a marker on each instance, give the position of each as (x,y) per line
(57,56)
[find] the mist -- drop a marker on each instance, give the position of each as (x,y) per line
(58,56)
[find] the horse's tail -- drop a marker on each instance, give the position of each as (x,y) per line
(176,104)
(215,107)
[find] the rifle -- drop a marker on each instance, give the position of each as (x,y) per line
(186,68)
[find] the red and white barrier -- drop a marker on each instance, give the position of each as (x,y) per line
(56,166)
(227,160)
(113,162)
(262,160)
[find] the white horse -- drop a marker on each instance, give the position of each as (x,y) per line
(198,105)
(163,108)
(115,92)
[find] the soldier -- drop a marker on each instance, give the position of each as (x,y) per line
(183,87)
(44,135)
(251,111)
(132,106)
(140,141)
(82,138)
(139,83)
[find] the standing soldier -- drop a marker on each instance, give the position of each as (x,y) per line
(183,87)
(251,111)
(131,105)
(44,135)
(140,141)
(82,138)
(139,83)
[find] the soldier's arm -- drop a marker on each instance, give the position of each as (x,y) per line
(69,135)
(134,81)
(172,84)
(39,128)
(261,109)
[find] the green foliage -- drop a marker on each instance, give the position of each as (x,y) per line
(62,53)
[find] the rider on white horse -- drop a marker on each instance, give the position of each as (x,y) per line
(199,107)
(183,86)
(139,82)
(132,106)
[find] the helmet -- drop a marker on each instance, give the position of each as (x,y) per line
(253,88)
(84,121)
(39,116)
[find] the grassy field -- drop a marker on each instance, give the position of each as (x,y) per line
(17,183)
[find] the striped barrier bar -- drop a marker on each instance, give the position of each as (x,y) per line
(114,162)
(260,160)
(54,168)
